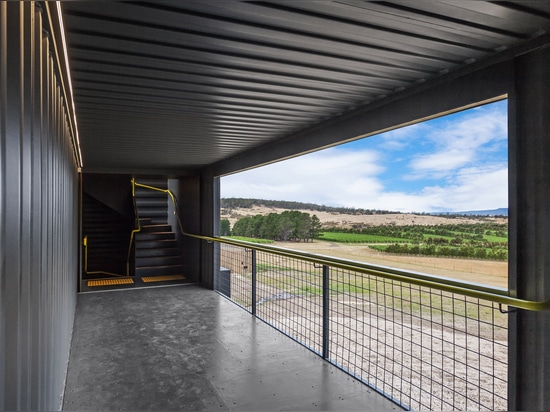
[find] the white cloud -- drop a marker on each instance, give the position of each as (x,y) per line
(401,138)
(474,189)
(350,179)
(332,177)
(458,144)
(439,164)
(481,187)
(470,192)
(454,156)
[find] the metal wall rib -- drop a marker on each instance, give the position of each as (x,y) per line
(38,216)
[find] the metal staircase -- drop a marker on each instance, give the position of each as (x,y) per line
(156,247)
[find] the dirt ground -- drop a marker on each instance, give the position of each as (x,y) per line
(435,360)
(486,272)
(439,365)
(436,365)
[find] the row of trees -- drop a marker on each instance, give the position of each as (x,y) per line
(450,234)
(285,226)
(241,203)
(485,240)
(449,230)
(497,252)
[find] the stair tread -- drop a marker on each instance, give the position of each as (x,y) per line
(152,226)
(148,233)
(158,260)
(162,250)
(155,240)
(159,270)
(163,241)
(155,233)
(156,247)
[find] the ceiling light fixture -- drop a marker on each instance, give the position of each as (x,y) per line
(62,27)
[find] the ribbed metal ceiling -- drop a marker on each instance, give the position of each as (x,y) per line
(179,85)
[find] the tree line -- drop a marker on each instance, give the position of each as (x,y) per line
(495,251)
(285,226)
(241,203)
(452,234)
(487,240)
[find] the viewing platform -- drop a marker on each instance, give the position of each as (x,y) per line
(188,348)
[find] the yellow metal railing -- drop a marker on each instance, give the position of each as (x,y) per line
(94,272)
(136,230)
(493,294)
(136,214)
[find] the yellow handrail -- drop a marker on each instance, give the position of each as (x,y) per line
(136,230)
(136,211)
(169,192)
(497,295)
(96,272)
(493,294)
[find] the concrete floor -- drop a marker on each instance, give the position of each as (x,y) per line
(188,348)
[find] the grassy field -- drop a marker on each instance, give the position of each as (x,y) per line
(488,272)
(479,241)
(358,238)
(484,271)
(251,239)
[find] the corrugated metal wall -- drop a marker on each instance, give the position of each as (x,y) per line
(38,216)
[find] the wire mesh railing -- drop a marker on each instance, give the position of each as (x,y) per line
(426,348)
(427,343)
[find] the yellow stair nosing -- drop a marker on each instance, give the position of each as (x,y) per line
(164,278)
(110,282)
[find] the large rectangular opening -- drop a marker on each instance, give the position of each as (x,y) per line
(431,197)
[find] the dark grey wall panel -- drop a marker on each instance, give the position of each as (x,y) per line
(529,227)
(38,216)
(187,192)
(209,226)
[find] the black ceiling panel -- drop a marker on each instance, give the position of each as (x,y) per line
(176,86)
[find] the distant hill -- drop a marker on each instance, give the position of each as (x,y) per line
(503,211)
(234,209)
(241,203)
(246,203)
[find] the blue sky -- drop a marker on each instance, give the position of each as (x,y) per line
(458,162)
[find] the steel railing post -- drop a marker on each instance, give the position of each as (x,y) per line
(253,282)
(326,309)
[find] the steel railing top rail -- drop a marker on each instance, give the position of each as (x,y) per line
(493,294)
